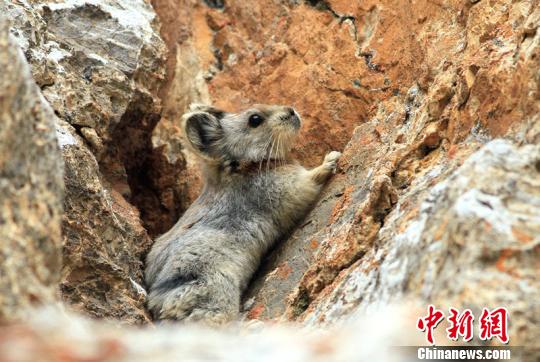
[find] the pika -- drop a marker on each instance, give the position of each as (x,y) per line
(253,195)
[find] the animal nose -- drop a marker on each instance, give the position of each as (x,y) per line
(294,118)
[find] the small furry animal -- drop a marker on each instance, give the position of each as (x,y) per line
(252,196)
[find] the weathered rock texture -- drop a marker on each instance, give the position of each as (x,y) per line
(57,337)
(100,65)
(336,60)
(185,84)
(30,188)
(435,106)
(424,87)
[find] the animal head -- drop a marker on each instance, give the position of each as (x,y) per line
(259,133)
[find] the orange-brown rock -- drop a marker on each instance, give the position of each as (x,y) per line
(421,92)
(409,93)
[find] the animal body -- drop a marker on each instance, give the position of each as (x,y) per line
(252,195)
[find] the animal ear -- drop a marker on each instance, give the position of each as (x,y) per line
(199,107)
(203,132)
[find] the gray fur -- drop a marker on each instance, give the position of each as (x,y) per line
(252,196)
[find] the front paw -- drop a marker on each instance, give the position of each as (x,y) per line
(331,159)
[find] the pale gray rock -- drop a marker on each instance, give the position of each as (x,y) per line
(31,188)
(100,65)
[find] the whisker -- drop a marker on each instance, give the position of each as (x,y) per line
(268,171)
(270,157)
(280,150)
(259,172)
(266,154)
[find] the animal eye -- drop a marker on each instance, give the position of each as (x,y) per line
(255,120)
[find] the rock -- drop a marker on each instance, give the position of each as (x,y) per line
(54,336)
(184,84)
(419,94)
(436,196)
(468,241)
(104,241)
(100,64)
(336,60)
(108,93)
(31,189)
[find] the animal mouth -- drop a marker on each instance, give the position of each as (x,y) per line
(295,121)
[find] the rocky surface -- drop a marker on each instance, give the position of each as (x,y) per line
(476,229)
(436,199)
(103,240)
(422,94)
(31,191)
(59,337)
(100,65)
(335,61)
